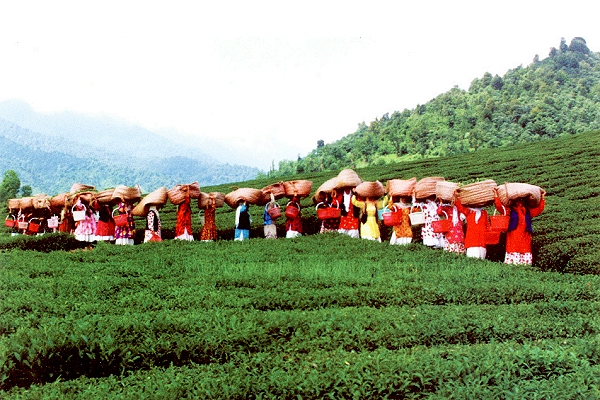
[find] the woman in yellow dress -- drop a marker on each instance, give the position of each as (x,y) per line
(369,228)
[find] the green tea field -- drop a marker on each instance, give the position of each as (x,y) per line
(320,316)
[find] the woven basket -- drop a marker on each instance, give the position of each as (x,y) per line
(445,190)
(41,201)
(127,193)
(194,189)
(425,187)
(218,197)
(14,204)
(80,187)
(105,196)
(347,178)
(26,202)
(299,188)
(401,187)
(276,189)
(370,189)
(155,198)
(59,201)
(326,188)
(478,194)
(509,192)
(251,196)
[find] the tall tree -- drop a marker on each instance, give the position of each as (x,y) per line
(9,186)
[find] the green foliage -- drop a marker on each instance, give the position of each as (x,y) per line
(9,186)
(553,97)
(279,319)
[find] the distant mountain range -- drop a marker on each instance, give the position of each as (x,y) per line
(50,152)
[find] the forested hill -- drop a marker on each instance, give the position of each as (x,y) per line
(52,164)
(556,96)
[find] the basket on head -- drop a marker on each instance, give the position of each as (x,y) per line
(509,192)
(477,194)
(401,187)
(300,188)
(347,178)
(179,193)
(218,197)
(444,190)
(14,204)
(276,189)
(127,193)
(59,201)
(370,189)
(80,187)
(25,202)
(251,196)
(155,198)
(326,188)
(105,196)
(425,187)
(41,201)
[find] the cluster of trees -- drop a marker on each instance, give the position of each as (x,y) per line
(553,97)
(11,188)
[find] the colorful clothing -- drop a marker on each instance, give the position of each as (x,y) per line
(153,226)
(477,226)
(349,221)
(293,226)
(518,237)
(369,229)
(125,234)
(455,237)
(209,229)
(242,223)
(330,224)
(430,238)
(402,233)
(183,226)
(270,229)
(105,227)
(84,229)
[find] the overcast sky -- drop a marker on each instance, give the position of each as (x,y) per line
(272,75)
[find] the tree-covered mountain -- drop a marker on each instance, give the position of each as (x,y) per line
(556,96)
(51,163)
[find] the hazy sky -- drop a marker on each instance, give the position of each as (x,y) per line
(272,75)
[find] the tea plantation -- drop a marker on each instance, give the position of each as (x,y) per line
(321,316)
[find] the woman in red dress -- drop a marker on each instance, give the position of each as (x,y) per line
(183,226)
(518,236)
(477,226)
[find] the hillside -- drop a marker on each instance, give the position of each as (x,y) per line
(50,164)
(321,315)
(556,96)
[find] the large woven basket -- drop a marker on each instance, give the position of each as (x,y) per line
(14,204)
(59,201)
(26,202)
(425,187)
(80,187)
(300,188)
(401,187)
(127,193)
(326,188)
(445,190)
(276,189)
(347,178)
(478,194)
(105,196)
(509,192)
(41,201)
(155,198)
(178,193)
(218,197)
(251,196)
(370,189)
